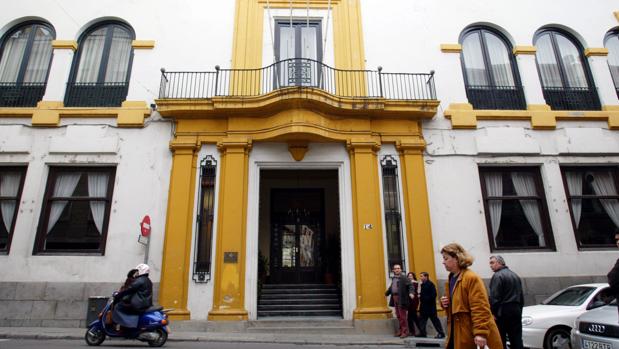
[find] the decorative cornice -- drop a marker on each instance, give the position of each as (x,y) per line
(64,44)
(524,50)
(600,51)
(143,44)
(451,48)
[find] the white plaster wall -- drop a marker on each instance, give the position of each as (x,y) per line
(143,161)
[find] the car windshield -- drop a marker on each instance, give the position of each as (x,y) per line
(573,296)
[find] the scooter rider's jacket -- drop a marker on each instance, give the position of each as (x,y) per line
(141,292)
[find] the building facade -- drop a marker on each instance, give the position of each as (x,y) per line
(303,143)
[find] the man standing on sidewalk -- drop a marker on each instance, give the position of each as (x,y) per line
(401,291)
(427,307)
(506,302)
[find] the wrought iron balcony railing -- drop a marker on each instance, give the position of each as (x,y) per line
(572,98)
(300,73)
(21,94)
(496,97)
(107,94)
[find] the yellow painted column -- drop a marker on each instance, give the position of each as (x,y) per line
(416,208)
(229,278)
(177,244)
(367,227)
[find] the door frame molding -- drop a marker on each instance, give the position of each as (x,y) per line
(347,249)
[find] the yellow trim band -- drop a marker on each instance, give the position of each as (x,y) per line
(616,13)
(64,44)
(143,44)
(524,50)
(601,51)
(451,48)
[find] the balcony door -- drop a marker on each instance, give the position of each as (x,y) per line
(298,51)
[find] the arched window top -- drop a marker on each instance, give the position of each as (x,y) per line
(26,53)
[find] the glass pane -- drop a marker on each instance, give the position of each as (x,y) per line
(547,63)
(289,248)
(13,54)
(612,44)
(286,43)
(500,65)
(75,229)
(308,42)
(307,246)
(120,53)
(91,51)
(595,228)
(570,58)
(515,229)
(573,296)
(40,56)
(473,60)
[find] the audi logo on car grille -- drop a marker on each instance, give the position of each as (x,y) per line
(597,328)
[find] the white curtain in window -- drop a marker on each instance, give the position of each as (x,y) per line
(65,186)
(286,51)
(91,49)
(12,55)
(612,44)
(494,187)
(474,60)
(547,63)
(310,50)
(500,64)
(97,188)
(574,186)
(120,52)
(9,184)
(604,184)
(570,58)
(524,183)
(41,54)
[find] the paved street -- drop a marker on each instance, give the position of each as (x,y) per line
(62,344)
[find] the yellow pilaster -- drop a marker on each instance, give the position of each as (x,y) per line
(176,255)
(367,227)
(229,281)
(416,208)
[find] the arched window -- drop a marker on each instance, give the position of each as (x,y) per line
(490,72)
(564,72)
(101,67)
(612,44)
(25,57)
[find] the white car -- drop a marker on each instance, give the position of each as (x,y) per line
(548,325)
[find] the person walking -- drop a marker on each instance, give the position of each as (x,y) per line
(613,275)
(413,318)
(401,292)
(427,307)
(506,302)
(469,319)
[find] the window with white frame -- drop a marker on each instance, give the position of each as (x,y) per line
(76,210)
(11,185)
(516,212)
(594,204)
(612,44)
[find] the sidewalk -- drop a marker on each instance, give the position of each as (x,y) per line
(281,338)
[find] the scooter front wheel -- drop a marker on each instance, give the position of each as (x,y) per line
(94,336)
(161,339)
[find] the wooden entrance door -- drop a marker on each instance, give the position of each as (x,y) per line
(297,235)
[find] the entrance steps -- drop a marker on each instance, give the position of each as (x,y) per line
(294,300)
(313,325)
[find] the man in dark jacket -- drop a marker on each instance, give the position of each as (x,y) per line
(427,307)
(613,275)
(506,302)
(401,291)
(140,298)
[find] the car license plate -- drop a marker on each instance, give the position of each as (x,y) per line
(587,344)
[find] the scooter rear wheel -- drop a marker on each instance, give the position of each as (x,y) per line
(163,337)
(94,337)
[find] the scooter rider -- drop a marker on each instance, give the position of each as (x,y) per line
(140,294)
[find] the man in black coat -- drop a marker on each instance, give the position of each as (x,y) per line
(506,302)
(427,307)
(140,297)
(401,292)
(613,275)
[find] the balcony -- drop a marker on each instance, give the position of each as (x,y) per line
(572,98)
(21,94)
(496,97)
(107,94)
(302,80)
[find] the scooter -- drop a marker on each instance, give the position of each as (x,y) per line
(152,327)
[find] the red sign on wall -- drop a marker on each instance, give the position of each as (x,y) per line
(145,226)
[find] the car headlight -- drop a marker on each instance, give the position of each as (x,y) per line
(527,320)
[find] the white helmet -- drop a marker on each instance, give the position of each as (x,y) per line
(142,269)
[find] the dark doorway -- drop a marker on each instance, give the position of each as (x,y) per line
(297,221)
